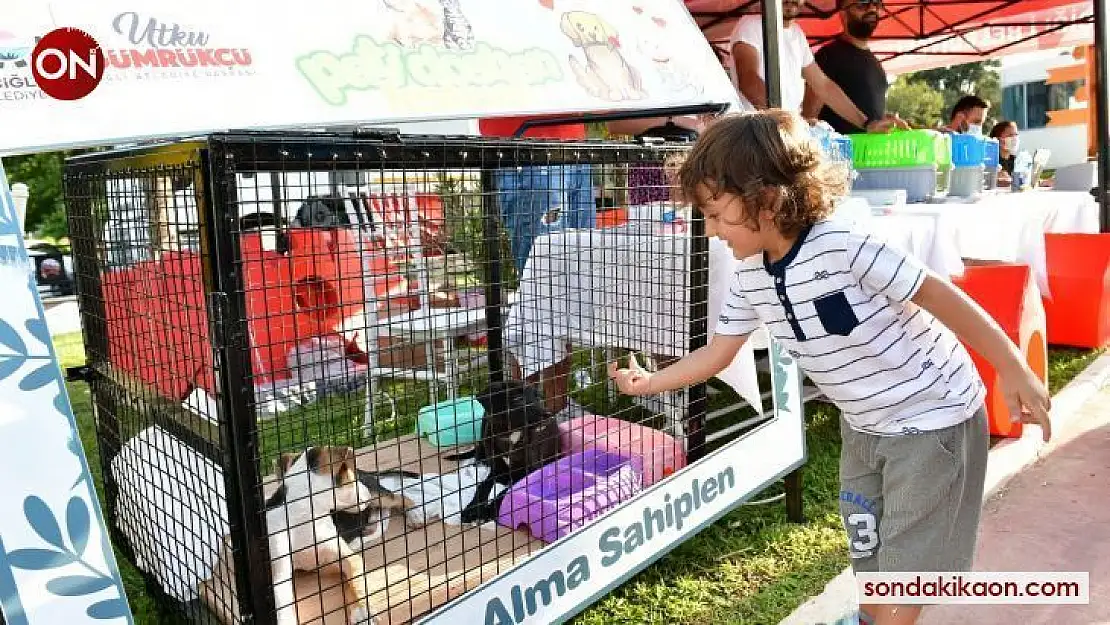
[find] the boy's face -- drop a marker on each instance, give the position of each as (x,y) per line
(724,219)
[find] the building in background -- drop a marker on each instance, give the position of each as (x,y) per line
(1045,93)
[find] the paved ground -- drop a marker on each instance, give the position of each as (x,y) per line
(1052,515)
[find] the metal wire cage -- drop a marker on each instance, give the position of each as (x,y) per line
(295,340)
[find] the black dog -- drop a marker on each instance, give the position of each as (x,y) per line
(519,435)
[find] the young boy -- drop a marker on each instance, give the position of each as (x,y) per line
(871,327)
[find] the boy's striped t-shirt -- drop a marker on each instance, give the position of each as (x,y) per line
(839,302)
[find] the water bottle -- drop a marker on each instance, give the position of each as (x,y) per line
(1023,168)
(582,379)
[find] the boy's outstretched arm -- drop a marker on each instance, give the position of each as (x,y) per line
(1026,397)
(697,367)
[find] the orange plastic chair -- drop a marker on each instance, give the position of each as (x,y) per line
(1078,310)
(1010,296)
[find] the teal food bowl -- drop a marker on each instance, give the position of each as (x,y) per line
(452,422)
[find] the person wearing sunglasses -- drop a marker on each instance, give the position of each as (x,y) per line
(799,71)
(849,62)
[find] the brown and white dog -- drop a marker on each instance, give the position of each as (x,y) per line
(316,485)
(607,74)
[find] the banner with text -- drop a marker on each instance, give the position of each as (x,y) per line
(174,68)
(564,578)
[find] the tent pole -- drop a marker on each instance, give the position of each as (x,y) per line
(772,35)
(1102,106)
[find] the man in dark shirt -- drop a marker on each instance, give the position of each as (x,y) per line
(849,63)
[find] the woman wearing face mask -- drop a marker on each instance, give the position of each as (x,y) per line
(1007,134)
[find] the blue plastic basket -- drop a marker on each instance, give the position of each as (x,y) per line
(991,156)
(968,150)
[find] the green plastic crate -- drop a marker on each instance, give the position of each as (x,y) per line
(902,148)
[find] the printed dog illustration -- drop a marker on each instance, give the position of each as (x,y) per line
(606,73)
(438,23)
(665,59)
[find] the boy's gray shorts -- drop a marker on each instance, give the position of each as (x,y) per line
(911,502)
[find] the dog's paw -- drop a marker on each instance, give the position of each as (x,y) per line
(415,518)
(361,616)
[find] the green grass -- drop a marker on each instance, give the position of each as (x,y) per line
(752,566)
(72,353)
(1064,363)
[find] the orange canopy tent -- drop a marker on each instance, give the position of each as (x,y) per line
(920,34)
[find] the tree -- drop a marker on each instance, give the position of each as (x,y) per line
(42,173)
(981,79)
(915,102)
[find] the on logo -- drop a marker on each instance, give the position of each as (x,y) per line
(67,64)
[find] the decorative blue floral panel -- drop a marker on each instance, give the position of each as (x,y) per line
(56,563)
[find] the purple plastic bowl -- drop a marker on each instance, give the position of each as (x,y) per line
(568,493)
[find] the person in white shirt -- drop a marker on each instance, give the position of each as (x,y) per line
(877,332)
(797,69)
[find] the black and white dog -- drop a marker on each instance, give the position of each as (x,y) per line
(519,435)
(314,518)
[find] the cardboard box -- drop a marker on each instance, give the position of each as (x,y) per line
(399,353)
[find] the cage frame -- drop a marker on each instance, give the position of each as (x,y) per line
(215,160)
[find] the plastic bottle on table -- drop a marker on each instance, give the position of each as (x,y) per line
(673,223)
(1023,169)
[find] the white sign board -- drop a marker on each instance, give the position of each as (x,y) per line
(183,68)
(56,563)
(564,578)
(178,69)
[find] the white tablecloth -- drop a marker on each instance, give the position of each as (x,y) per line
(620,287)
(1010,227)
(629,287)
(924,236)
(927,238)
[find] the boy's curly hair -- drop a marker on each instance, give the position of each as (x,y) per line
(770,162)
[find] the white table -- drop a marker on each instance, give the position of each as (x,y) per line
(1010,227)
(620,287)
(428,326)
(925,237)
(629,287)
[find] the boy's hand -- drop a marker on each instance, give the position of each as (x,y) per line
(631,381)
(1028,400)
